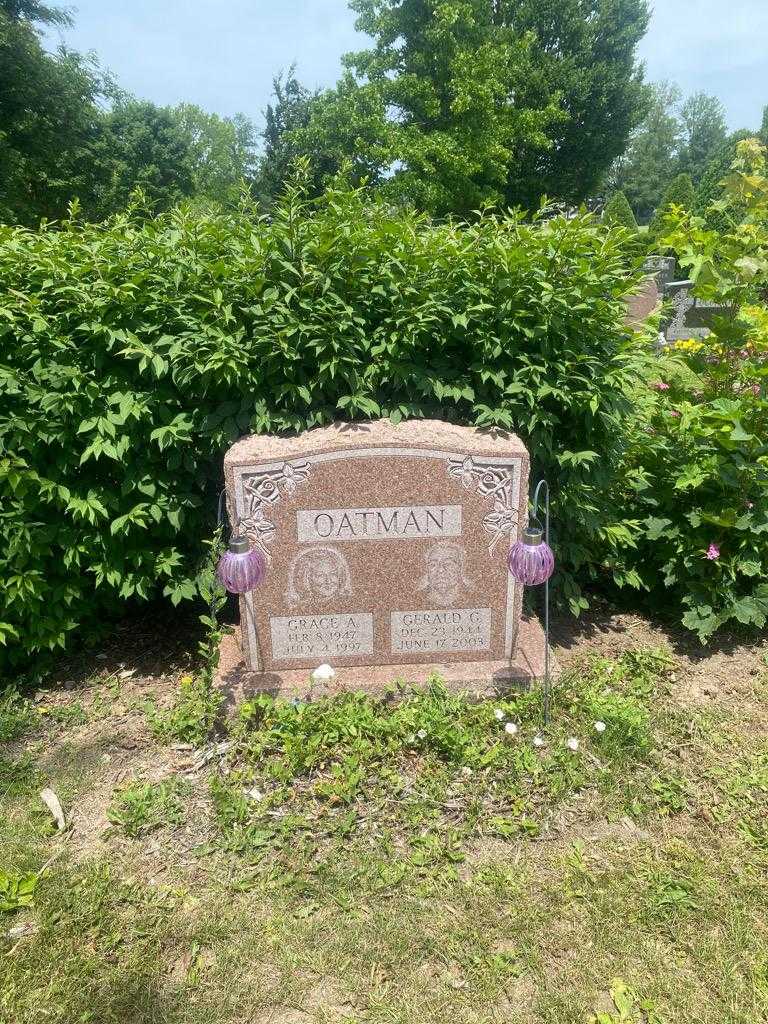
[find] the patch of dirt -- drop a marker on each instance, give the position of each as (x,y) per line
(727,670)
(322,1003)
(519,999)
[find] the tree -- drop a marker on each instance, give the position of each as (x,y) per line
(464,102)
(34,13)
(675,138)
(680,192)
(764,127)
(285,119)
(650,160)
(584,52)
(58,142)
(48,116)
(139,145)
(619,213)
(703,131)
(221,150)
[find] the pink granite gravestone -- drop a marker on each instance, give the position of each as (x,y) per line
(387,556)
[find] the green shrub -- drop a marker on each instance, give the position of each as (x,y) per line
(680,193)
(701,442)
(618,212)
(711,188)
(133,353)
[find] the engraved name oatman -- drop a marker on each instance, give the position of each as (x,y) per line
(401,523)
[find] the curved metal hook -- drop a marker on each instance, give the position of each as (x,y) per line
(535,510)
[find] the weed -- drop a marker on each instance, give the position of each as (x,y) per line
(630,1009)
(660,793)
(17,715)
(68,715)
(192,716)
(195,712)
(16,891)
(142,807)
(426,762)
(19,777)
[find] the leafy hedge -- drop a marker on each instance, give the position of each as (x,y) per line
(132,354)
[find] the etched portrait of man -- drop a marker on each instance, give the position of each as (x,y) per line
(445,578)
(317,575)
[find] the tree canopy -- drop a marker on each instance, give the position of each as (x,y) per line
(676,137)
(221,151)
(67,132)
(464,102)
(456,104)
(702,132)
(48,118)
(285,117)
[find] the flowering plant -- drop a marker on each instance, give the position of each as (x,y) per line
(703,448)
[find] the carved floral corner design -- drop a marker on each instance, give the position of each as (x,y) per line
(261,492)
(491,482)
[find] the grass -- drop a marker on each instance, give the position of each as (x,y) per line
(331,863)
(17,715)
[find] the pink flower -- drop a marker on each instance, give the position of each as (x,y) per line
(756,390)
(674,413)
(713,552)
(660,385)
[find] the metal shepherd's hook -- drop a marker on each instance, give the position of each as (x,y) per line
(535,516)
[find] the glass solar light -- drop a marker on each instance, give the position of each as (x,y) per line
(241,568)
(531,562)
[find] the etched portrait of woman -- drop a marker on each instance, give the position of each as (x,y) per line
(445,578)
(317,575)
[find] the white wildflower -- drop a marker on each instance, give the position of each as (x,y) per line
(499,715)
(600,726)
(422,734)
(323,674)
(538,741)
(510,728)
(572,743)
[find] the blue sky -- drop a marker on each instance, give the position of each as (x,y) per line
(222,54)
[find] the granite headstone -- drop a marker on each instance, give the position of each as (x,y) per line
(387,554)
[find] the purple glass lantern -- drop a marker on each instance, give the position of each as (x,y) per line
(241,568)
(531,561)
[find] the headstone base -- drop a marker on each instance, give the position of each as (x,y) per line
(483,678)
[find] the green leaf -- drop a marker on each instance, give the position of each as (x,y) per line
(16,891)
(656,528)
